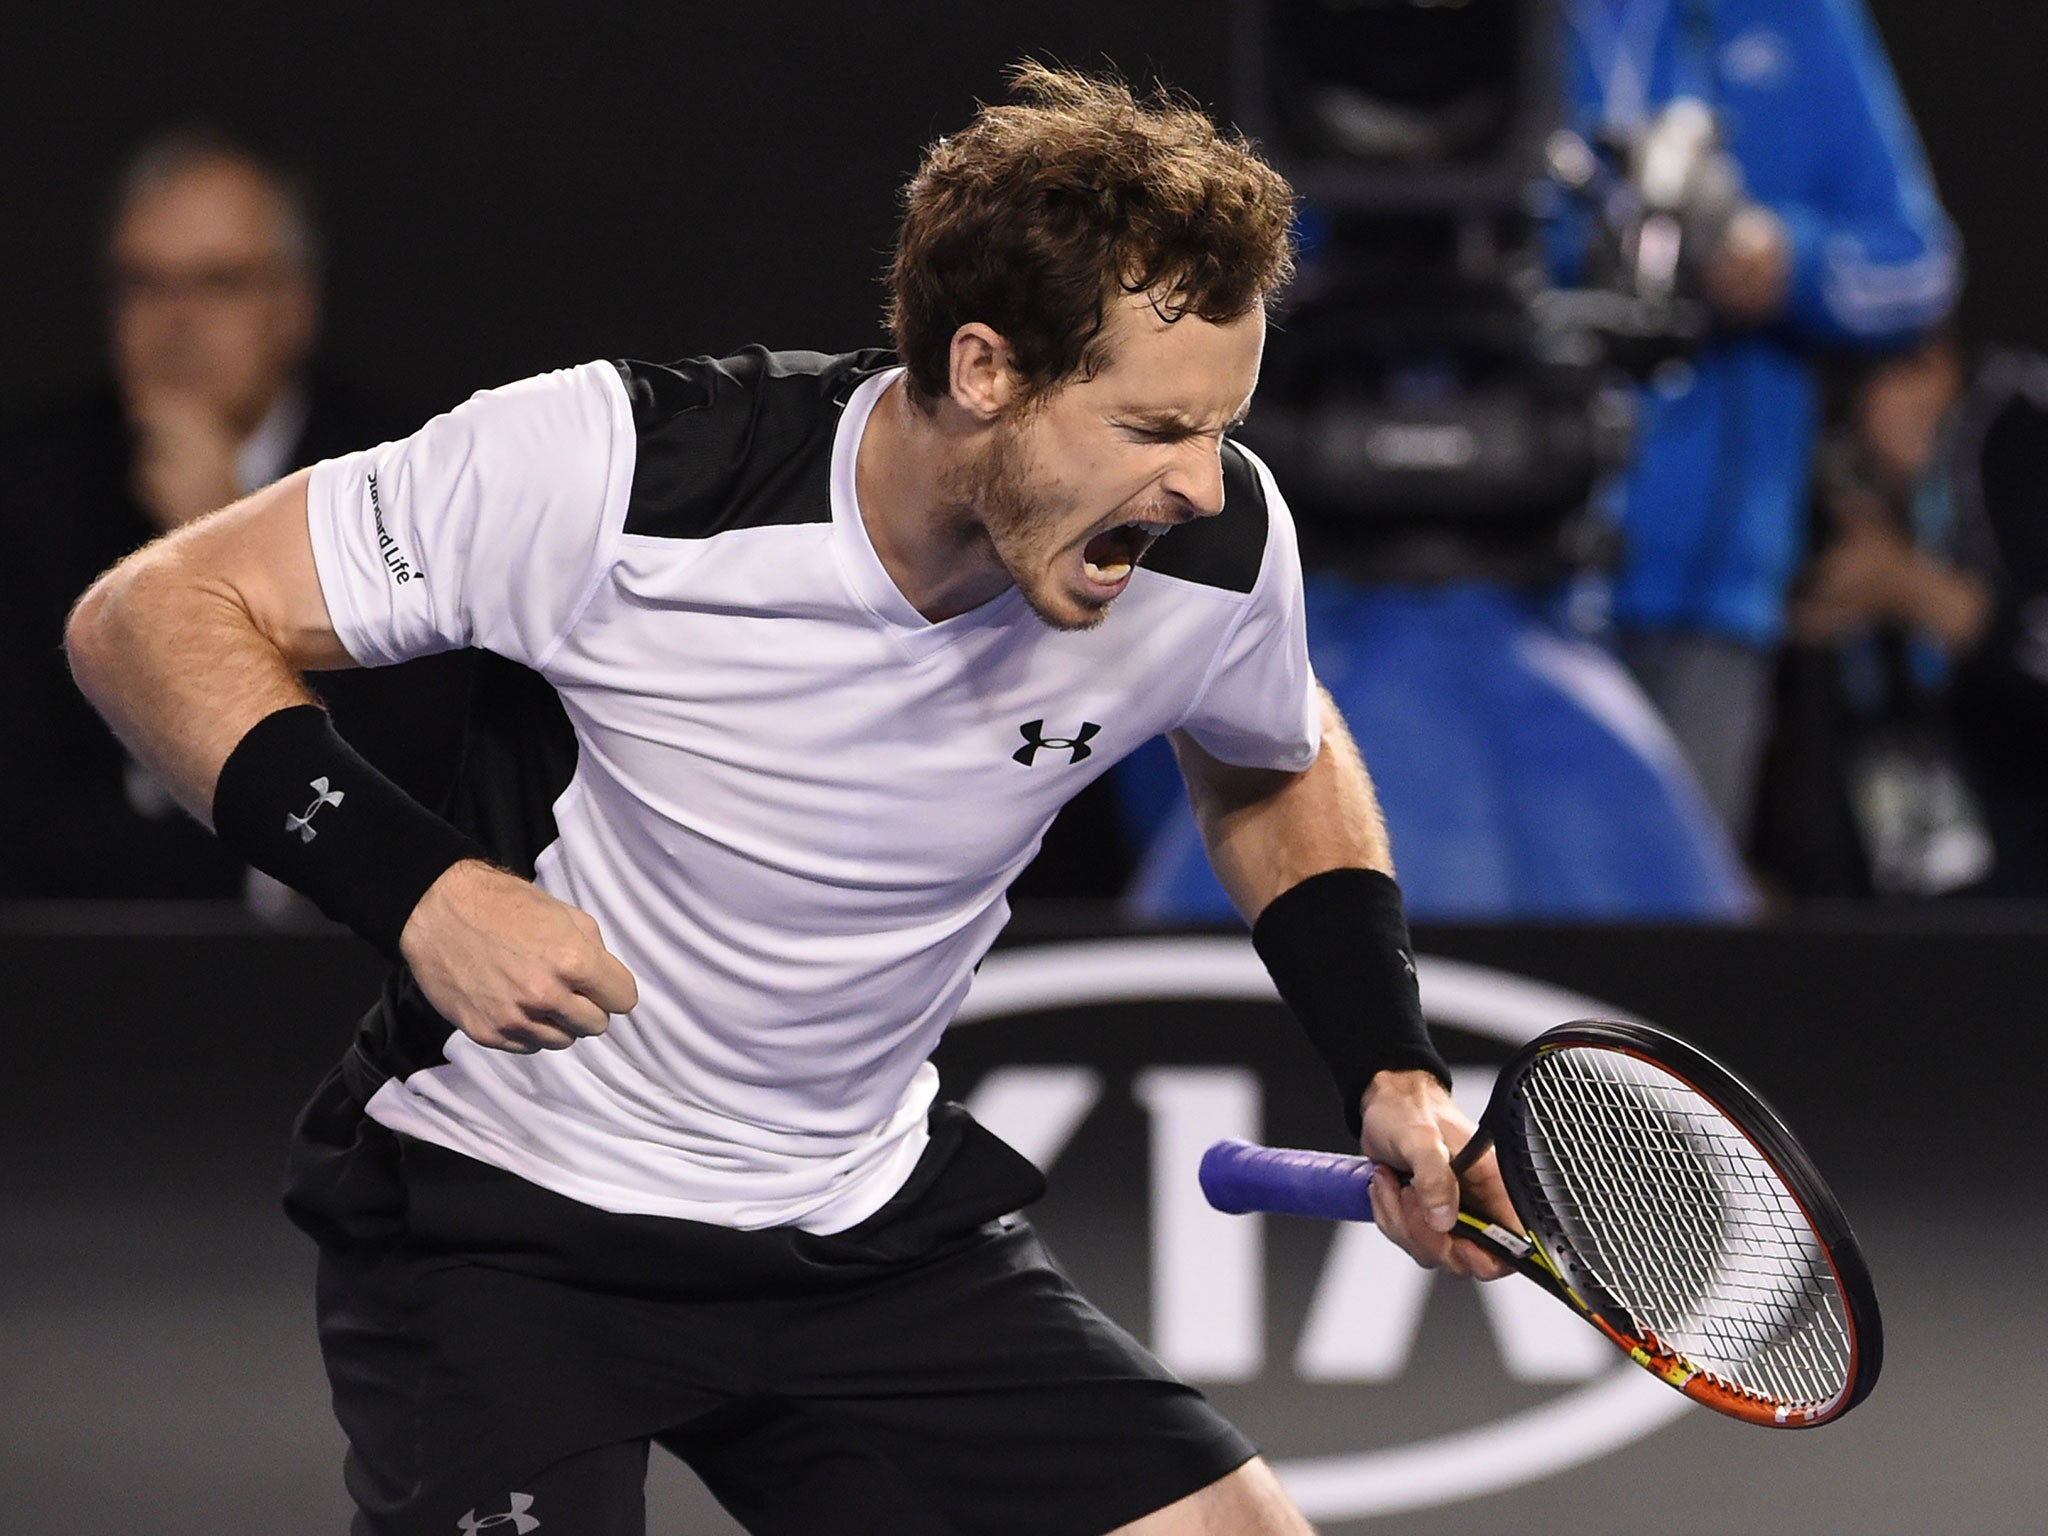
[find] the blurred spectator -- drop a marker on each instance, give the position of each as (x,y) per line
(1999,695)
(1914,756)
(213,302)
(1836,240)
(1890,507)
(1861,792)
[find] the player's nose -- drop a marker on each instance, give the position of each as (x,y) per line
(1196,478)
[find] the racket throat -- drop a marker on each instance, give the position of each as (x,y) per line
(1472,1151)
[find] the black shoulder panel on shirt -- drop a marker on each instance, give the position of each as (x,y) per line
(737,442)
(1229,549)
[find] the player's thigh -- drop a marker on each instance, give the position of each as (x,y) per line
(438,1444)
(1248,1502)
(598,1492)
(783,1470)
(988,1384)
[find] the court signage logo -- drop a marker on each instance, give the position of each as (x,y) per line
(1209,1316)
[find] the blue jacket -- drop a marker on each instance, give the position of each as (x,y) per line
(1714,508)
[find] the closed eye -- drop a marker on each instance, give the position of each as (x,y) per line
(1172,433)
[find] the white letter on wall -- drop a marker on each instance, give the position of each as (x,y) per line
(1208,1281)
(1036,1109)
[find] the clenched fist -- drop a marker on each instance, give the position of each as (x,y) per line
(510,966)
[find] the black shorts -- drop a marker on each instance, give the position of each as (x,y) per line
(497,1350)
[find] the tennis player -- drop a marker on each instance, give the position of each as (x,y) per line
(791,660)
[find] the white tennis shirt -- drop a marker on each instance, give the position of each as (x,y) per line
(792,804)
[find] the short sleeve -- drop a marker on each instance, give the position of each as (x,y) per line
(488,527)
(1258,706)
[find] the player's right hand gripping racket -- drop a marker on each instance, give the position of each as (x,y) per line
(1664,1202)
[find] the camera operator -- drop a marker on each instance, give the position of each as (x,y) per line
(1828,235)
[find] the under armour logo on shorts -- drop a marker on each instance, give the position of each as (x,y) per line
(303,825)
(517,1517)
(1034,737)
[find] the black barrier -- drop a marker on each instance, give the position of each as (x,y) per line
(150,1080)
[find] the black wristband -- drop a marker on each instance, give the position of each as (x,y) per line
(1336,946)
(301,804)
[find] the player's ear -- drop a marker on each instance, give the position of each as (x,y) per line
(980,379)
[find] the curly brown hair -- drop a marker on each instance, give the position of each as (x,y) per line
(1037,216)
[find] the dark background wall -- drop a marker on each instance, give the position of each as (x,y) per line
(516,186)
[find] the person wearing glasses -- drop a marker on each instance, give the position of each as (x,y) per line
(212,263)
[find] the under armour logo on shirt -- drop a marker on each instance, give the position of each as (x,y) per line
(1035,738)
(517,1517)
(303,824)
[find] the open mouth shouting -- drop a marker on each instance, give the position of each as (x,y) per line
(1108,559)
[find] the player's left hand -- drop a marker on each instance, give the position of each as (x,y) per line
(1411,1122)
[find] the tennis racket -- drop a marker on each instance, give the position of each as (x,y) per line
(1663,1201)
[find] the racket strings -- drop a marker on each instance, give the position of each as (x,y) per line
(1678,1218)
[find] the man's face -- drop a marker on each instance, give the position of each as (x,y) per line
(1074,490)
(205,299)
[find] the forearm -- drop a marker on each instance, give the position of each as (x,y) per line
(1266,832)
(190,641)
(1338,950)
(178,667)
(205,688)
(1305,857)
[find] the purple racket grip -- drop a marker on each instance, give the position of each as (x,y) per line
(1240,1176)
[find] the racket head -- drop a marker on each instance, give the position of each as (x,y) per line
(1688,1221)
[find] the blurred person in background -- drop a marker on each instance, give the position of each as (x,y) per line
(1446,422)
(1834,239)
(212,266)
(1914,759)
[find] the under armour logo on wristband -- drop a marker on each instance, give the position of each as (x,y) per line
(303,825)
(1033,732)
(517,1517)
